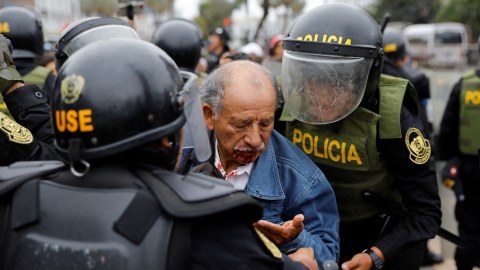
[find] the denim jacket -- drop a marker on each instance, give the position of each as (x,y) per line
(286,182)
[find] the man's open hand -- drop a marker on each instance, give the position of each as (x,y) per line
(281,234)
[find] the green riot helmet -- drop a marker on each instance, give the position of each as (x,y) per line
(24,29)
(182,40)
(332,61)
(87,30)
(395,44)
(116,97)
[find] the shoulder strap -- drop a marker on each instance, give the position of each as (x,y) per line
(18,173)
(196,195)
(393,90)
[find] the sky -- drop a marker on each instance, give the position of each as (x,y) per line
(188,9)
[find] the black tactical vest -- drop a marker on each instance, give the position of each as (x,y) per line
(114,218)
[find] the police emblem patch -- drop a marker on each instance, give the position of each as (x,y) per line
(418,146)
(15,132)
(271,246)
(71,88)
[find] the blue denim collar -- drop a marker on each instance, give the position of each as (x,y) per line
(264,182)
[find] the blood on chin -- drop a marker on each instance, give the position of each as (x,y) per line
(245,157)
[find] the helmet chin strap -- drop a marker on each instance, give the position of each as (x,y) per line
(78,166)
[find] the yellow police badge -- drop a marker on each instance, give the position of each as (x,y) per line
(15,132)
(418,146)
(71,88)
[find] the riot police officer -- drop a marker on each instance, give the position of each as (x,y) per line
(24,28)
(396,64)
(89,30)
(28,104)
(181,40)
(361,128)
(118,204)
(459,142)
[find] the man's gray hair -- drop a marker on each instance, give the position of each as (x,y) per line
(212,89)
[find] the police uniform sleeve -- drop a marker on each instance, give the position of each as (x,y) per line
(225,243)
(448,135)
(408,158)
(28,105)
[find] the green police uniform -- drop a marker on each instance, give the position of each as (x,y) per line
(469,130)
(349,156)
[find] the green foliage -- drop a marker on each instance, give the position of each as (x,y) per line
(160,5)
(212,13)
(410,11)
(463,11)
(99,7)
(294,5)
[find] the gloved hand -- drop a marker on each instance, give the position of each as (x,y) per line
(8,72)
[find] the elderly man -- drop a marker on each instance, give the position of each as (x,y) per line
(299,204)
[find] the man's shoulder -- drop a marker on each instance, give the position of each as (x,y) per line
(289,155)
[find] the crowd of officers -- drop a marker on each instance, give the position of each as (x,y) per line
(104,139)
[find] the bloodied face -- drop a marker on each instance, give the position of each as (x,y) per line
(245,122)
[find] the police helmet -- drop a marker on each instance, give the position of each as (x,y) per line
(88,30)
(100,110)
(24,28)
(182,40)
(395,44)
(332,60)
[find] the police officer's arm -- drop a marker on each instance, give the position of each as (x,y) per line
(416,180)
(448,135)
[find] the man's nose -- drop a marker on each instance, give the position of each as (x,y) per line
(254,138)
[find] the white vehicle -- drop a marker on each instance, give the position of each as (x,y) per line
(438,44)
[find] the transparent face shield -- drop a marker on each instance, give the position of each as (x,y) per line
(195,130)
(102,32)
(322,89)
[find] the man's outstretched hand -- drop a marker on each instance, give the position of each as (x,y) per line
(281,234)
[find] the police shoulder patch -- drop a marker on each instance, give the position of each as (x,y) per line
(271,246)
(418,146)
(14,131)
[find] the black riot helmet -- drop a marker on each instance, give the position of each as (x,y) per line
(114,98)
(24,28)
(395,44)
(332,61)
(182,40)
(88,30)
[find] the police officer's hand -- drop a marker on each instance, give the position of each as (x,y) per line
(9,75)
(281,234)
(305,256)
(362,261)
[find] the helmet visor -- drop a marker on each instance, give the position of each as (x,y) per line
(103,32)
(322,89)
(195,130)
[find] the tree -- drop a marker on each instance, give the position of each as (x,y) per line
(290,6)
(99,8)
(409,11)
(463,11)
(213,12)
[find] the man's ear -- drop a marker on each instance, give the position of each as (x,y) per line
(209,116)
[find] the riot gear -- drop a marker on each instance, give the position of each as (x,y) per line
(395,46)
(88,30)
(148,101)
(24,28)
(181,40)
(329,68)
